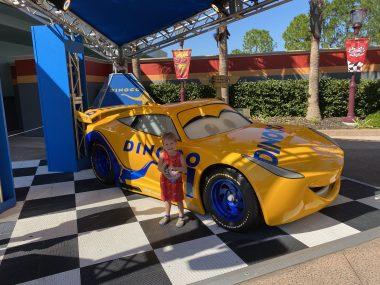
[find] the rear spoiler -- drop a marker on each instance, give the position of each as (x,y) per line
(83,118)
(94,115)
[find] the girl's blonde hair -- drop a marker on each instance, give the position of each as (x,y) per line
(169,136)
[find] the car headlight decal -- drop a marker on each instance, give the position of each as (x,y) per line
(279,171)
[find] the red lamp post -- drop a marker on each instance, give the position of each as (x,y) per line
(182,91)
(181,60)
(357,18)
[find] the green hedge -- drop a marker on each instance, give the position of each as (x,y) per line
(334,97)
(271,97)
(373,120)
(169,92)
(282,97)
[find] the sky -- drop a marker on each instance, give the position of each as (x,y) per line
(274,20)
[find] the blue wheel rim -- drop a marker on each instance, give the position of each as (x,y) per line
(101,163)
(227,200)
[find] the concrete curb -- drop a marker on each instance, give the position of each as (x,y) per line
(354,134)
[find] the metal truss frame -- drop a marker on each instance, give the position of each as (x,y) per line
(46,13)
(196,25)
(77,102)
(200,23)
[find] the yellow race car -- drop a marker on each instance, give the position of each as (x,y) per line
(241,172)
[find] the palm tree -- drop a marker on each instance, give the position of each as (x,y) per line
(136,67)
(222,36)
(316,7)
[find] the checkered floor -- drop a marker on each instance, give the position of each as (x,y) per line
(69,229)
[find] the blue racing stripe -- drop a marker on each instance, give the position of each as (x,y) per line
(121,172)
(130,174)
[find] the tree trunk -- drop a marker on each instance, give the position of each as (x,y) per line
(316,19)
(121,63)
(313,112)
(223,60)
(136,68)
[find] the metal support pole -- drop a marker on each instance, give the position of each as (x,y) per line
(351,97)
(182,91)
(351,101)
(7,191)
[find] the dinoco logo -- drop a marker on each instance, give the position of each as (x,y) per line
(192,160)
(124,90)
(268,147)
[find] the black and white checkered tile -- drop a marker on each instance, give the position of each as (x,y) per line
(70,229)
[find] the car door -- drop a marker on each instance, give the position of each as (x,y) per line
(132,150)
(141,151)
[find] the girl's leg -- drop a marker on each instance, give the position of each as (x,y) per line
(166,218)
(168,205)
(181,222)
(180,208)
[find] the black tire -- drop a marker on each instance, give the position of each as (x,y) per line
(249,217)
(105,175)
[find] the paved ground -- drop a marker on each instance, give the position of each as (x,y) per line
(362,160)
(26,148)
(355,265)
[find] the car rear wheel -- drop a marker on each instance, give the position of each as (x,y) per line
(231,201)
(101,164)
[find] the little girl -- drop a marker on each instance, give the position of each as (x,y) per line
(171,165)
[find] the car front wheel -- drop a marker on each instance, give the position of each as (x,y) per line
(231,201)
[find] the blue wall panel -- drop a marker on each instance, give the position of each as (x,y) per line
(50,53)
(6,178)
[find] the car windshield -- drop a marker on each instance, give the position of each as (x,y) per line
(209,121)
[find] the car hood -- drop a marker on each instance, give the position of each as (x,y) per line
(292,147)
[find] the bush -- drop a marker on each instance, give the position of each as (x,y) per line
(169,92)
(334,97)
(367,97)
(271,97)
(373,120)
(282,97)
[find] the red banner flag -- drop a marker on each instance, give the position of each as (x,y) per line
(181,58)
(356,51)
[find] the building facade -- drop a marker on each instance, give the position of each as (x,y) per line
(23,109)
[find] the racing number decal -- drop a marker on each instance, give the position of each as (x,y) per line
(192,160)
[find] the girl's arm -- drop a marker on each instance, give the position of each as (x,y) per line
(182,168)
(161,163)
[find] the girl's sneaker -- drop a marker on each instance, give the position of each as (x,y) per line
(164,220)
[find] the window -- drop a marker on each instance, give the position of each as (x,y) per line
(128,120)
(152,124)
(204,126)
